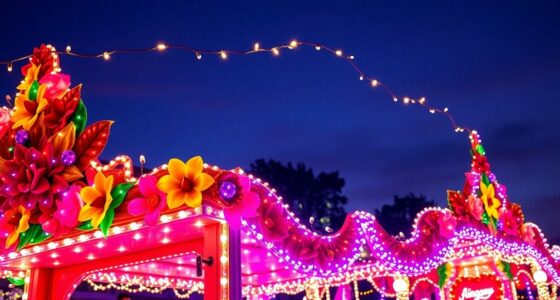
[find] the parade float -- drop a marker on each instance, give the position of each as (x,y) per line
(67,218)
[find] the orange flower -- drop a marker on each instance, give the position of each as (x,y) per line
(97,199)
(31,76)
(185,182)
(27,111)
(13,222)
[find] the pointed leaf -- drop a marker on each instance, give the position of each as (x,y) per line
(91,143)
(33,91)
(80,117)
(71,173)
(480,149)
(64,139)
(457,203)
(119,193)
(16,281)
(107,222)
(86,225)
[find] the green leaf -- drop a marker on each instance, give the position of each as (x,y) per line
(118,194)
(80,117)
(442,273)
(480,149)
(16,281)
(485,218)
(86,225)
(485,179)
(107,222)
(33,235)
(33,91)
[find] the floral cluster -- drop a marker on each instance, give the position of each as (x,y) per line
(484,200)
(44,150)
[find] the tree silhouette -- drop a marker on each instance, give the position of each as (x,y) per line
(398,217)
(316,200)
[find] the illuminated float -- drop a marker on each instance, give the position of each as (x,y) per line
(193,227)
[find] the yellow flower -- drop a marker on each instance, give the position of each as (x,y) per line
(491,203)
(30,77)
(185,182)
(27,111)
(97,199)
(22,224)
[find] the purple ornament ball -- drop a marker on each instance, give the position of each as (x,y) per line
(68,157)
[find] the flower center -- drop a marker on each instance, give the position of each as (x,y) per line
(153,200)
(99,202)
(268,223)
(186,185)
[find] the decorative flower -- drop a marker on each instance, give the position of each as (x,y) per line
(13,222)
(45,56)
(509,223)
(97,199)
(272,221)
(59,110)
(447,224)
(491,203)
(31,73)
(475,207)
(27,111)
(4,120)
(239,201)
(480,163)
(57,85)
(67,211)
(185,182)
(150,204)
(32,177)
(528,234)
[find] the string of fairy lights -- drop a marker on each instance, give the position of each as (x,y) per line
(224,54)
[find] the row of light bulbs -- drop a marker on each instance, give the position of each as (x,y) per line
(225,54)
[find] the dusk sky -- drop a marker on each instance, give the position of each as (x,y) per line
(495,64)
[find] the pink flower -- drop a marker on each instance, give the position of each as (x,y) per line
(66,215)
(57,85)
(4,120)
(475,207)
(528,234)
(236,191)
(151,203)
(508,221)
(272,220)
(447,223)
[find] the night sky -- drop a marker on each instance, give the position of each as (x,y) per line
(495,65)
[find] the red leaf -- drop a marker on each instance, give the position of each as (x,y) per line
(91,143)
(457,203)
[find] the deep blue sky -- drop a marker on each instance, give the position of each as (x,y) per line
(496,65)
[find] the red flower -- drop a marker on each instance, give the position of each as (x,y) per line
(32,177)
(45,57)
(480,164)
(60,110)
(272,221)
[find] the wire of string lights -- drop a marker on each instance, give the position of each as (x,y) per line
(257,48)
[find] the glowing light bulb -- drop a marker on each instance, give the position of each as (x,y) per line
(374,83)
(106,55)
(338,52)
(161,47)
(293,44)
(275,51)
(68,49)
(198,56)
(256,47)
(223,54)
(10,67)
